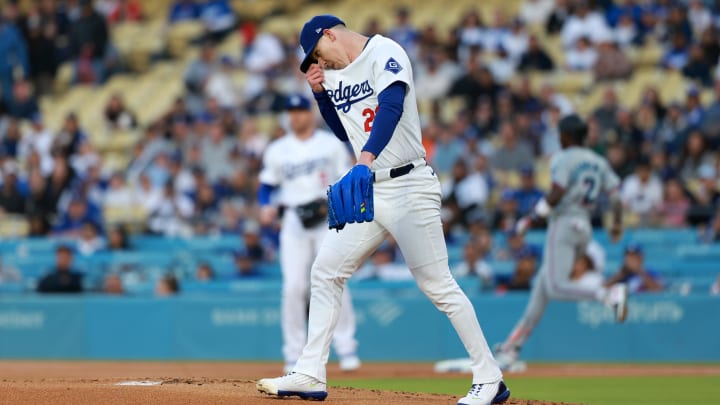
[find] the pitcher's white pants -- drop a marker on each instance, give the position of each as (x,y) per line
(298,247)
(408,208)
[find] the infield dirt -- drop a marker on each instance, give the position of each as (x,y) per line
(69,382)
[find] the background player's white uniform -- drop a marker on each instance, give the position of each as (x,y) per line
(303,169)
(407,207)
(583,175)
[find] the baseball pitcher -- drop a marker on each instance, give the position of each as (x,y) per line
(364,88)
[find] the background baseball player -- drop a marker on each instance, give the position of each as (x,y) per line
(578,177)
(365,91)
(301,165)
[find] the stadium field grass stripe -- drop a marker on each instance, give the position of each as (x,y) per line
(581,390)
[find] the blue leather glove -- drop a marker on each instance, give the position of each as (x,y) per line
(350,200)
(336,215)
(363,194)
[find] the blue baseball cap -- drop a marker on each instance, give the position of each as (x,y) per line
(311,33)
(634,248)
(297,102)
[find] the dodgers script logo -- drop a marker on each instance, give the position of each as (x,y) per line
(345,96)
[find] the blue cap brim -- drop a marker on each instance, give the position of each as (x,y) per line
(308,60)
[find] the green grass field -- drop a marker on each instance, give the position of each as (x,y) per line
(577,390)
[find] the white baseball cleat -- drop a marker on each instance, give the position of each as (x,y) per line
(349,363)
(293,384)
(486,394)
(617,300)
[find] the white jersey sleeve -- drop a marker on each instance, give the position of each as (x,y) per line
(271,170)
(390,65)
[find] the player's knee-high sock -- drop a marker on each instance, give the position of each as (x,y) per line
(442,289)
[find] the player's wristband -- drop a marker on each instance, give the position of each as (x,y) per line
(542,208)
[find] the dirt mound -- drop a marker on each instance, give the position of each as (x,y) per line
(95,382)
(195,391)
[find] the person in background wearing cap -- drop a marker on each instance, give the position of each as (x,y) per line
(297,169)
(578,178)
(63,278)
(365,89)
(516,244)
(506,214)
(246,264)
(634,273)
(526,260)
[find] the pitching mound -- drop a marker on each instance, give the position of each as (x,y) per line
(96,382)
(194,391)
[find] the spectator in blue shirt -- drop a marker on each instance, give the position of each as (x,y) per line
(676,57)
(78,213)
(635,274)
(528,194)
(694,110)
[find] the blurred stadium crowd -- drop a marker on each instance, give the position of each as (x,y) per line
(492,82)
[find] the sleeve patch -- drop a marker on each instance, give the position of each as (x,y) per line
(392,66)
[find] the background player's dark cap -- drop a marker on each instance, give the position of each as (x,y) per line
(297,102)
(634,248)
(574,126)
(311,33)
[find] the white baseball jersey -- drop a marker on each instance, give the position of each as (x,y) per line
(303,169)
(584,175)
(354,91)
